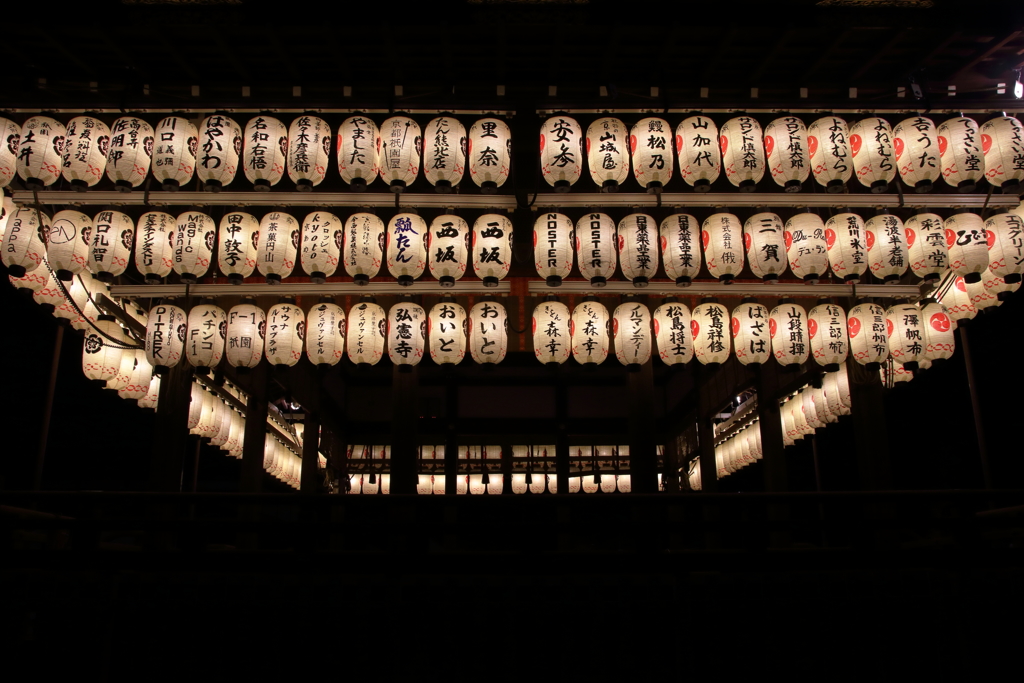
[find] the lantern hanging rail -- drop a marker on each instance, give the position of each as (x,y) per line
(719,289)
(638,200)
(310,289)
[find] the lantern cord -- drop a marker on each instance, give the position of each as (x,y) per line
(984,207)
(899,191)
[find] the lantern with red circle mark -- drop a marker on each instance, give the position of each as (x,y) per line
(887,247)
(700,154)
(67,243)
(407,326)
(967,243)
(552,247)
(722,237)
(561,152)
(827,328)
(165,337)
(765,243)
(868,335)
(401,146)
(406,253)
(23,246)
(325,333)
(874,162)
(193,239)
(828,143)
(363,247)
(926,241)
(309,151)
(956,300)
(552,341)
(367,325)
(444,153)
(742,147)
(488,332)
(638,248)
(786,151)
(246,332)
(10,139)
(787,327)
(750,332)
(806,246)
(650,143)
(906,334)
(680,247)
(589,331)
(446,329)
(916,143)
(847,246)
(1005,235)
(672,333)
(220,148)
(937,326)
(490,154)
(176,142)
(236,252)
(447,249)
(596,251)
(204,337)
(1002,143)
(492,248)
(961,158)
(85,151)
(709,327)
(110,246)
(631,325)
(358,143)
(41,151)
(265,151)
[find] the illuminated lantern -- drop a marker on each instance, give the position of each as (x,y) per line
(325,333)
(285,334)
(957,301)
(828,141)
(1002,142)
(638,248)
(1006,245)
(265,152)
(906,334)
(447,249)
(937,326)
(101,350)
(174,156)
(519,483)
(10,139)
(195,406)
(788,328)
(672,333)
(551,337)
(45,290)
(561,152)
(124,369)
(193,239)
(631,327)
(407,255)
(874,164)
(999,286)
(247,327)
(869,337)
(277,246)
(789,430)
(608,153)
(165,337)
(222,422)
(130,153)
(363,247)
(799,419)
(765,243)
(827,328)
(139,379)
(207,417)
(237,246)
(589,484)
(110,246)
(847,246)
(962,161)
(67,308)
(407,330)
(891,376)
(680,250)
(887,247)
(917,152)
(750,332)
(552,247)
(492,248)
(401,143)
(490,154)
(204,341)
(153,247)
(444,153)
(821,406)
(709,328)
(89,311)
(742,152)
(67,248)
(41,151)
(23,247)
(446,328)
(700,156)
(786,152)
(981,298)
(722,236)
(7,209)
(358,151)
(967,244)
(220,147)
(309,151)
(589,331)
(830,387)
(596,251)
(153,395)
(85,151)
(814,421)
(926,239)
(367,329)
(322,235)
(488,332)
(650,143)
(806,247)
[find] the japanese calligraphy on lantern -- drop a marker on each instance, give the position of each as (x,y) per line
(847,247)
(750,332)
(444,152)
(10,140)
(1002,143)
(551,338)
(722,237)
(400,147)
(325,333)
(165,336)
(827,328)
(265,151)
(650,142)
(608,152)
(364,246)
(828,141)
(41,151)
(680,247)
(407,328)
(278,245)
(220,147)
(322,237)
(367,323)
(1006,245)
(407,255)
(588,329)
(960,153)
(709,329)
(205,335)
(67,243)
(916,143)
(787,327)
(111,244)
(561,152)
(742,148)
(631,327)
(85,151)
(309,151)
(806,246)
(871,142)
(492,248)
(967,244)
(153,247)
(447,248)
(887,247)
(176,143)
(672,333)
(700,154)
(765,243)
(446,329)
(552,246)
(638,248)
(358,151)
(596,251)
(490,153)
(236,254)
(130,153)
(926,243)
(787,153)
(488,332)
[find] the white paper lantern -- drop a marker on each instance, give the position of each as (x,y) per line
(596,250)
(7,209)
(140,378)
(722,236)
(519,483)
(828,141)
(788,328)
(207,417)
(110,245)
(67,248)
(195,406)
(939,342)
(806,246)
(358,151)
(488,332)
(165,336)
(444,153)
(887,247)
(1002,143)
(247,328)
(709,326)
(588,328)
(41,151)
(174,153)
(447,249)
(220,147)
(102,350)
(325,333)
(492,248)
(322,237)
(847,246)
(700,155)
(401,145)
(85,151)
(363,247)
(552,247)
(650,143)
(10,140)
(631,327)
(814,420)
(608,153)
(672,333)
(827,327)
(957,301)
(65,307)
(45,291)
(998,286)
(765,243)
(130,153)
(23,245)
(84,295)
(1005,234)
(874,163)
(265,151)
(638,251)
(750,332)
(367,329)
(490,154)
(960,155)
(438,482)
(787,154)
(916,143)
(926,240)
(406,253)
(869,338)
(561,152)
(967,243)
(153,248)
(193,240)
(551,339)
(906,334)
(153,395)
(285,334)
(680,250)
(204,341)
(277,247)
(237,246)
(742,147)
(407,331)
(309,151)
(222,422)
(981,297)
(446,328)
(836,386)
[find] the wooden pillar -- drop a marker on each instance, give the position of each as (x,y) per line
(706,431)
(506,468)
(451,437)
(255,431)
(670,469)
(562,435)
(773,459)
(171,429)
(310,473)
(404,385)
(643,458)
